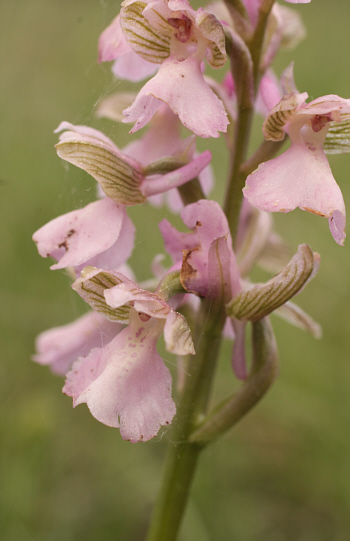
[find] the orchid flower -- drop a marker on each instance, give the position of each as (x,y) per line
(171,33)
(301,176)
(126,384)
(209,268)
(122,178)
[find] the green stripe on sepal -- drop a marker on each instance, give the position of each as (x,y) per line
(117,178)
(146,41)
(212,30)
(338,138)
(262,299)
(280,115)
(91,286)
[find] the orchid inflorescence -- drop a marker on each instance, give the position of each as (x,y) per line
(109,355)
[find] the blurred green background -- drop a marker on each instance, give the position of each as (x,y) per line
(283,474)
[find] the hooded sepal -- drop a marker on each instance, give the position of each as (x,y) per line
(91,287)
(262,299)
(119,176)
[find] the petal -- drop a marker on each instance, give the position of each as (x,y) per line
(119,252)
(175,241)
(132,67)
(300,177)
(76,237)
(178,177)
(126,384)
(142,300)
(223,275)
(239,363)
(112,42)
(297,317)
(92,285)
(212,31)
(112,106)
(181,85)
(61,346)
(162,139)
(86,134)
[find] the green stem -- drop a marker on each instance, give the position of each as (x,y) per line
(263,374)
(183,455)
(242,72)
(257,40)
(234,194)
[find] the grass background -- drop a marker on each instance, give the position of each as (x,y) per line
(283,474)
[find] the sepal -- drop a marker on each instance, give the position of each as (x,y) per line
(281,114)
(262,299)
(91,287)
(212,30)
(338,137)
(151,45)
(118,176)
(294,315)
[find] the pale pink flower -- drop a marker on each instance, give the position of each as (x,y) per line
(301,176)
(126,384)
(179,38)
(209,267)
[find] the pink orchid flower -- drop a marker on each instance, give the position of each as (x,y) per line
(126,384)
(301,176)
(179,38)
(209,266)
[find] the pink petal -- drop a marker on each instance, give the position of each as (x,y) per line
(112,42)
(76,237)
(162,139)
(61,346)
(178,177)
(86,134)
(132,67)
(142,300)
(118,253)
(176,241)
(126,384)
(223,275)
(239,364)
(181,85)
(269,93)
(300,177)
